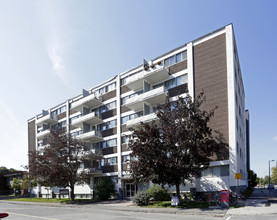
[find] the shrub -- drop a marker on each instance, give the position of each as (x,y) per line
(104,188)
(141,198)
(158,193)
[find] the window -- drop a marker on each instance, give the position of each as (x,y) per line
(58,111)
(125,158)
(170,83)
(175,58)
(110,87)
(216,171)
(181,80)
(125,139)
(74,118)
(111,161)
(130,117)
(124,99)
(108,125)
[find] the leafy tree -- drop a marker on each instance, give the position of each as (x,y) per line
(4,170)
(29,183)
(104,188)
(266,180)
(173,148)
(273,177)
(252,176)
(59,164)
(16,183)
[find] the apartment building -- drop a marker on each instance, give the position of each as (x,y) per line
(103,114)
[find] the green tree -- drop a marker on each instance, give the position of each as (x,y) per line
(273,177)
(60,163)
(16,184)
(252,176)
(28,182)
(266,180)
(173,148)
(104,188)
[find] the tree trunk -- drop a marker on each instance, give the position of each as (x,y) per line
(178,189)
(72,193)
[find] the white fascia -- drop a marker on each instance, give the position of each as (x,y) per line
(190,70)
(231,104)
(118,102)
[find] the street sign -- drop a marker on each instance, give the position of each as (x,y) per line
(237,176)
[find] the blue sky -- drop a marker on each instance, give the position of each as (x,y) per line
(50,50)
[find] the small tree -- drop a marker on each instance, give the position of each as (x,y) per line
(60,163)
(177,145)
(16,184)
(104,188)
(252,176)
(29,183)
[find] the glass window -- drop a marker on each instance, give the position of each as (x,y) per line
(158,85)
(184,55)
(111,105)
(124,119)
(178,57)
(172,60)
(225,170)
(166,62)
(170,83)
(216,171)
(125,139)
(125,158)
(207,172)
(110,87)
(112,161)
(101,91)
(181,80)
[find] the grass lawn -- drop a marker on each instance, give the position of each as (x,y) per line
(184,205)
(50,200)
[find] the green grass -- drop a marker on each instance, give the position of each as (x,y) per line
(184,205)
(50,200)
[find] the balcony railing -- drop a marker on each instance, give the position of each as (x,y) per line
(152,75)
(90,101)
(146,118)
(91,119)
(47,119)
(151,98)
(92,136)
(43,133)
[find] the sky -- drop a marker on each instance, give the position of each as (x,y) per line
(50,50)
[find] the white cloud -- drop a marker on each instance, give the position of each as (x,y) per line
(57,33)
(56,54)
(275,138)
(13,142)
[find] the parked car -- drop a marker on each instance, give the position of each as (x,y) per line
(270,186)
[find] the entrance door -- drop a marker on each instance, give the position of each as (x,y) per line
(130,190)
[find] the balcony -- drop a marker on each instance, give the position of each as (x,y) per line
(92,136)
(151,98)
(90,119)
(152,75)
(46,119)
(42,134)
(90,101)
(136,122)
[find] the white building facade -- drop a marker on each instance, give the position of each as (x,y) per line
(103,114)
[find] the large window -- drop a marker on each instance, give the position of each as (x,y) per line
(216,171)
(130,117)
(108,125)
(58,111)
(125,139)
(104,108)
(173,82)
(109,161)
(105,89)
(175,58)
(124,99)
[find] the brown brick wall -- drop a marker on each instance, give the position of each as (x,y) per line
(109,95)
(124,109)
(178,67)
(124,148)
(32,135)
(124,128)
(124,89)
(210,75)
(62,115)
